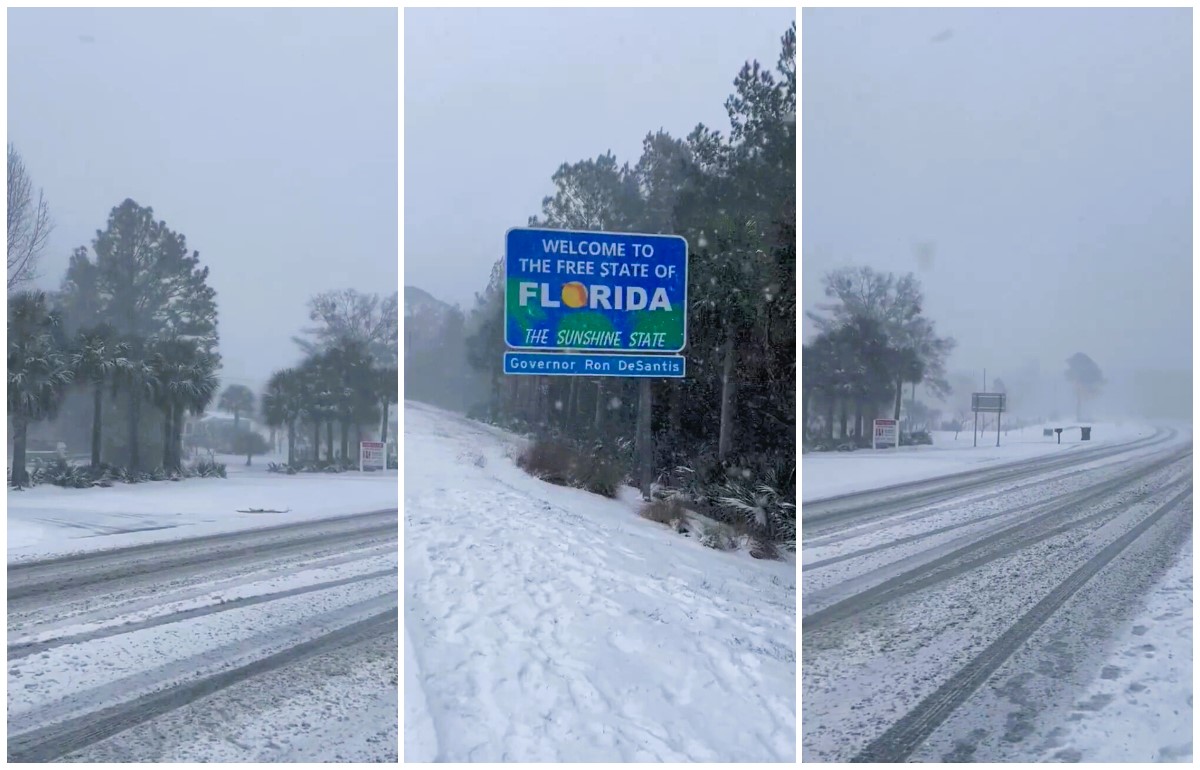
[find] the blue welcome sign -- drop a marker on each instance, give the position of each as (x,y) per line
(595,291)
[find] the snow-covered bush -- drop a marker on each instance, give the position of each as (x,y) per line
(718,536)
(919,438)
(63,474)
(338,465)
(768,517)
(208,469)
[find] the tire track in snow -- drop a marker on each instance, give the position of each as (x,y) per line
(1061,500)
(52,616)
(25,649)
(951,564)
(60,576)
(51,742)
(900,740)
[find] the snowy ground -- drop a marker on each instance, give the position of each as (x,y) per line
(1008,623)
(825,474)
(181,630)
(47,521)
(549,624)
(1138,708)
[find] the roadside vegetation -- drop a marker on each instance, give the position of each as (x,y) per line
(125,355)
(732,421)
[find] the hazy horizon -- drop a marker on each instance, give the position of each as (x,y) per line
(563,97)
(267,136)
(1031,167)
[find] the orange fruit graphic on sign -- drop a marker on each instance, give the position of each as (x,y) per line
(574,294)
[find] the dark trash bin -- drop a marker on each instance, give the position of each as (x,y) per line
(1087,433)
(1048,432)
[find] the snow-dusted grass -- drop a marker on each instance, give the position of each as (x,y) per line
(825,474)
(47,520)
(550,624)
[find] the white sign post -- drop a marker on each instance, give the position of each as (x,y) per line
(886,432)
(372,455)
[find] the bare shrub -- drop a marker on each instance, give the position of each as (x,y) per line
(668,511)
(560,462)
(550,460)
(598,475)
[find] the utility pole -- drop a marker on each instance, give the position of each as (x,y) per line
(645,438)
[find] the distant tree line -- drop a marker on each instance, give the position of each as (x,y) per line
(733,198)
(873,340)
(345,383)
(436,369)
(126,351)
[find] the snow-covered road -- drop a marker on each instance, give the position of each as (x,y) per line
(549,624)
(269,644)
(975,624)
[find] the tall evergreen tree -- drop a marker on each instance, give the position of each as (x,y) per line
(1086,380)
(146,286)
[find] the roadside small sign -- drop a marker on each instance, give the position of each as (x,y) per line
(887,433)
(987,402)
(372,456)
(992,403)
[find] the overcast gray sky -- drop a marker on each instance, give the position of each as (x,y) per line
(268,137)
(495,100)
(1045,154)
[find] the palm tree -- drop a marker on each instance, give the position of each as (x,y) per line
(388,392)
(320,401)
(185,380)
(348,365)
(820,363)
(138,379)
(39,370)
(237,399)
(96,359)
(906,362)
(283,405)
(866,342)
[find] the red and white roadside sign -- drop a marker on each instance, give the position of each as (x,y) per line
(887,433)
(372,455)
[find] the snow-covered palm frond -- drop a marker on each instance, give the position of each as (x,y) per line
(753,508)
